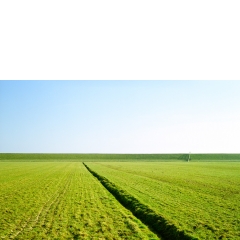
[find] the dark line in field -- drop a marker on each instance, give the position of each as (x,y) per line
(149,217)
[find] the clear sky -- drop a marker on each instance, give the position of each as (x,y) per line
(120,116)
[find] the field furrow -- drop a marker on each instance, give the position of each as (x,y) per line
(201,199)
(61,201)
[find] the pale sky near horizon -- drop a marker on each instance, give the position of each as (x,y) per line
(119,40)
(120,116)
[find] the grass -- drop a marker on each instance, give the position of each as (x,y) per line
(199,198)
(154,220)
(5,157)
(53,196)
(61,201)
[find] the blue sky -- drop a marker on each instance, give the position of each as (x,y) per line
(119,116)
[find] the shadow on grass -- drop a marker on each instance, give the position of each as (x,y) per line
(153,220)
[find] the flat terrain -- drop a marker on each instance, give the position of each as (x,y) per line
(31,157)
(61,201)
(202,199)
(56,196)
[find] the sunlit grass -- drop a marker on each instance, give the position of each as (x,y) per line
(200,198)
(61,201)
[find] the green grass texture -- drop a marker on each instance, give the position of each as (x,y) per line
(40,157)
(61,201)
(202,199)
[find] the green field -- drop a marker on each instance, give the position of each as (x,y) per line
(61,201)
(202,199)
(119,196)
(6,157)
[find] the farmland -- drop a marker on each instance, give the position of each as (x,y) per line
(61,201)
(127,196)
(57,157)
(201,199)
